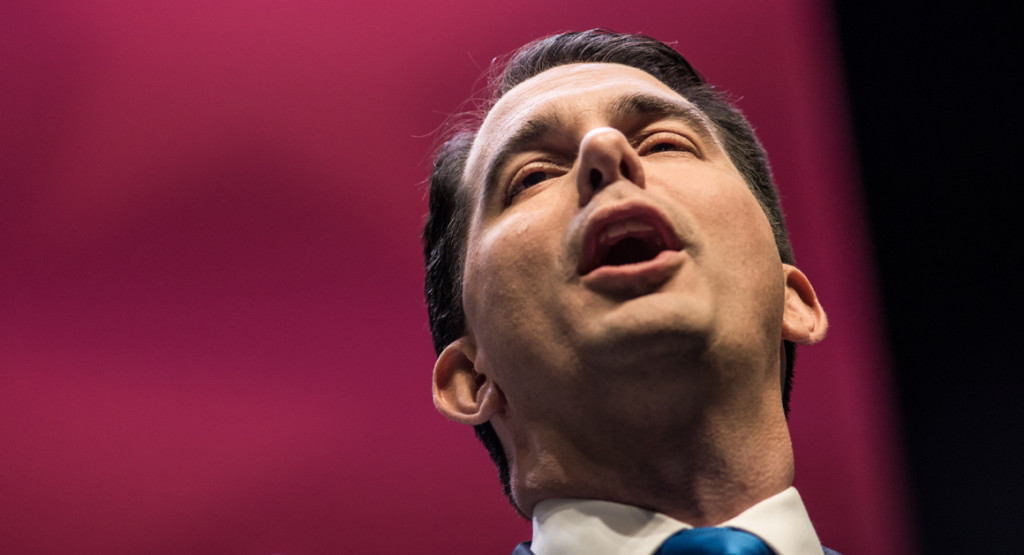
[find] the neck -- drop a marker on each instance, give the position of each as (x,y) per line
(703,472)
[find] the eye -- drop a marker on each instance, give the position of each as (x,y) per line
(534,178)
(667,141)
(662,147)
(530,175)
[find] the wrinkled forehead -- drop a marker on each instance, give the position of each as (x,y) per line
(565,92)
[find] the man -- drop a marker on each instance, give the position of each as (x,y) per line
(614,304)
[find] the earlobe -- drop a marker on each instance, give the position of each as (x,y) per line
(803,319)
(461,392)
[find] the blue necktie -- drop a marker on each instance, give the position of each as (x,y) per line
(714,541)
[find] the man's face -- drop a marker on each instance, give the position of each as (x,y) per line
(615,255)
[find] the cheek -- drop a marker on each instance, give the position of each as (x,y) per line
(751,270)
(509,271)
(732,217)
(736,242)
(745,227)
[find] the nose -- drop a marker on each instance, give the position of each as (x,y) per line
(606,157)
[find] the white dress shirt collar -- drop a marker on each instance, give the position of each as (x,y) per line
(570,526)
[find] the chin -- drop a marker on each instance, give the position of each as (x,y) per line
(648,332)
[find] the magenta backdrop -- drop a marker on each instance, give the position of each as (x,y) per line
(212,333)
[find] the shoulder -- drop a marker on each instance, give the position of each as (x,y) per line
(524,549)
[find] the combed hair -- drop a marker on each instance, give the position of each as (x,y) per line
(446,228)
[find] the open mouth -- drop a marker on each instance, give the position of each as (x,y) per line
(631,238)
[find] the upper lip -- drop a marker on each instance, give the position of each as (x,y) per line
(609,225)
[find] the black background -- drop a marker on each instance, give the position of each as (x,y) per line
(935,93)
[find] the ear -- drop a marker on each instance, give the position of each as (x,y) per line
(461,392)
(803,319)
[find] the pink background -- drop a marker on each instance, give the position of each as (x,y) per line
(212,333)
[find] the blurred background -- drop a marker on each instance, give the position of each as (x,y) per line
(212,332)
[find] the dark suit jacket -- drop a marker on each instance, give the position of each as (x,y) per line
(524,549)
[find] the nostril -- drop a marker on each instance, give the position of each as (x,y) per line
(595,178)
(624,170)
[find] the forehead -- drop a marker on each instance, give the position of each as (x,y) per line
(569,92)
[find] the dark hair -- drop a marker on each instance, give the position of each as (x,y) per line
(444,235)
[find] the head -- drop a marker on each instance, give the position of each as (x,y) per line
(556,96)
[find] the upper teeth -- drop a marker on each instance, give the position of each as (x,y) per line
(623,228)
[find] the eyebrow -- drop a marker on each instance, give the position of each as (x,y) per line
(652,108)
(647,107)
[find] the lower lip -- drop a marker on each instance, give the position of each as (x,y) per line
(635,279)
